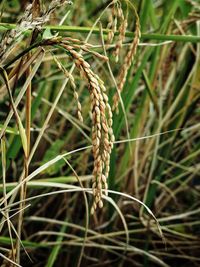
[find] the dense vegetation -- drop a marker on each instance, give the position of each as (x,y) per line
(99,127)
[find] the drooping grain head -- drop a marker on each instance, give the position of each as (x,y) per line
(102,133)
(129,56)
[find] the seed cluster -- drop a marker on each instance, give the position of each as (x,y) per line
(26,22)
(128,59)
(112,25)
(102,133)
(73,85)
(122,31)
(119,20)
(11,36)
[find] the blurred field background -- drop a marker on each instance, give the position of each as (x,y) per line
(155,158)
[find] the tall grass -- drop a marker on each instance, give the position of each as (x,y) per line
(71,193)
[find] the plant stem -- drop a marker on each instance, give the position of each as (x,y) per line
(144,36)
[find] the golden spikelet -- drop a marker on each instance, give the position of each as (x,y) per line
(127,62)
(122,31)
(71,79)
(102,133)
(79,107)
(112,25)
